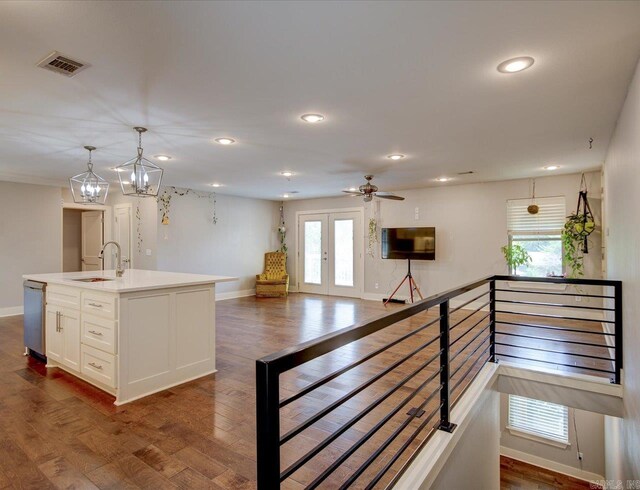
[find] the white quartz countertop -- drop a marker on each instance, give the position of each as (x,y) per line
(133,280)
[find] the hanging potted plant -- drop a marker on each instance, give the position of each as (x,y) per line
(577,228)
(515,255)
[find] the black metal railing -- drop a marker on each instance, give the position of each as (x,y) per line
(417,362)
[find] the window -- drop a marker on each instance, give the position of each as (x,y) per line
(539,419)
(539,234)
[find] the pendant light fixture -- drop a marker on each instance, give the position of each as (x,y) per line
(87,187)
(140,177)
(533,208)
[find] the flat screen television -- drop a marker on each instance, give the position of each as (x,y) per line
(409,243)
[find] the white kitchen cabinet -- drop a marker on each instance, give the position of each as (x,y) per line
(62,326)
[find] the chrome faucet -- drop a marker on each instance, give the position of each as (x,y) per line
(119,268)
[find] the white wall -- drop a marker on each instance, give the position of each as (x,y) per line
(471,226)
(30,237)
(235,246)
(622,202)
(590,436)
(474,463)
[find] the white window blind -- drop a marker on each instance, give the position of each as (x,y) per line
(539,418)
(549,220)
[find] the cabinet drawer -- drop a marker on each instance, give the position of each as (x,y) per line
(99,333)
(104,305)
(62,296)
(99,366)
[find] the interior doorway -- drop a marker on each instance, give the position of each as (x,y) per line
(330,253)
(82,240)
(123,231)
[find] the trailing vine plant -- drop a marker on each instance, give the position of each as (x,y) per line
(164,201)
(373,237)
(139,226)
(282,231)
(577,228)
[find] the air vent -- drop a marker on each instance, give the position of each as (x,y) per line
(63,65)
(466,173)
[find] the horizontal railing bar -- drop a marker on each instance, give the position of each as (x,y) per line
(402,449)
(469,356)
(557,363)
(556,352)
(299,354)
(452,358)
(356,474)
(347,454)
(328,440)
(603,346)
(557,317)
(468,316)
(551,327)
(558,280)
(330,408)
(453,388)
(552,305)
(554,294)
(451,344)
(343,370)
(453,310)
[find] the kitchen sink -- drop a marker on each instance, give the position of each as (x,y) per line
(93,279)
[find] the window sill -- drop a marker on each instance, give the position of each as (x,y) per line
(537,285)
(534,437)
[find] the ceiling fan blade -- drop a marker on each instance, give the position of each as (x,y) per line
(354,193)
(390,196)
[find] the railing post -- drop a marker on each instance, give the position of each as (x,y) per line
(492,320)
(268,426)
(445,394)
(618,331)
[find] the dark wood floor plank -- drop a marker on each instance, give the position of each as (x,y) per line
(202,434)
(63,475)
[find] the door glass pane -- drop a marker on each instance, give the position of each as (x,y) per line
(343,265)
(313,252)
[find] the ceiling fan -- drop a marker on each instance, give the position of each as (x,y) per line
(369,190)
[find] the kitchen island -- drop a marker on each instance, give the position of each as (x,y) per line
(134,335)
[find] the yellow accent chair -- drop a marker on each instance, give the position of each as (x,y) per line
(274,281)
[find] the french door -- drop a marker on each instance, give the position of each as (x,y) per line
(330,253)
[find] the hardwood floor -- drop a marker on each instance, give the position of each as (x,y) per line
(517,475)
(59,432)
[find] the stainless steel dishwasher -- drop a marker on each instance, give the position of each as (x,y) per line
(34,316)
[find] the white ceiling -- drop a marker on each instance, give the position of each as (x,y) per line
(408,77)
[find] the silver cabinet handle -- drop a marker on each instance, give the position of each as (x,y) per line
(95,305)
(95,333)
(58,321)
(93,364)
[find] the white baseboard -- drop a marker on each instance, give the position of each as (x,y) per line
(550,465)
(11,311)
(235,294)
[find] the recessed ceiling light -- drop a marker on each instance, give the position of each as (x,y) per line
(552,167)
(353,189)
(117,169)
(285,195)
(163,158)
(216,185)
(225,141)
(312,118)
(515,65)
(443,179)
(396,156)
(287,173)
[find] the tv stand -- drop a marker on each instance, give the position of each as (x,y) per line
(413,285)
